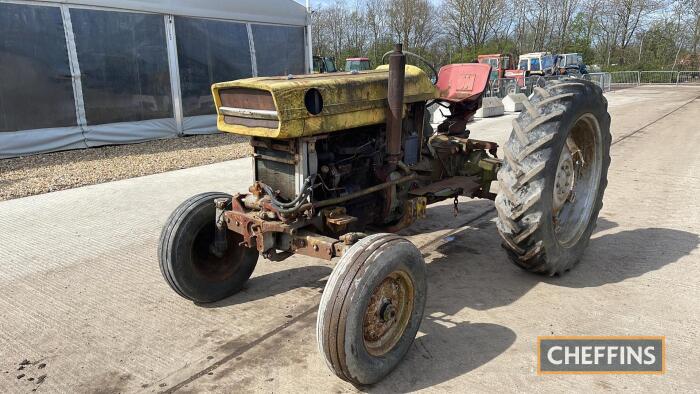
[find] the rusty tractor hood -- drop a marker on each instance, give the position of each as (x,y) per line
(283,107)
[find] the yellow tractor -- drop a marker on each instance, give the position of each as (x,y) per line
(343,161)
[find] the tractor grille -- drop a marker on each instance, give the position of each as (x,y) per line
(248,107)
(276,169)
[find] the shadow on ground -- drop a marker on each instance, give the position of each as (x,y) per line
(469,269)
(473,265)
(447,350)
(274,283)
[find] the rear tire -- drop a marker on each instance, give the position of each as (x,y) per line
(549,200)
(186,262)
(371,308)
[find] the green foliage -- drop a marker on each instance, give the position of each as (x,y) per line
(630,35)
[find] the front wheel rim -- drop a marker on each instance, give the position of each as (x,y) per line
(388,313)
(206,264)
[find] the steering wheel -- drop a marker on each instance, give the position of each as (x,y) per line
(422,59)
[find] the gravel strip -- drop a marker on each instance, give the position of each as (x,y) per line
(30,175)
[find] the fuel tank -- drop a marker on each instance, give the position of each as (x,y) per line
(307,105)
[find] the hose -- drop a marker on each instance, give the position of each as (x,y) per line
(421,58)
(291,206)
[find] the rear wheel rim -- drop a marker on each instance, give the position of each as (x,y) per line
(577,180)
(388,313)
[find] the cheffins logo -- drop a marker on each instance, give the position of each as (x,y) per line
(601,355)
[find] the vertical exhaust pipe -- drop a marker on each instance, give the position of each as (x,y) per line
(394,122)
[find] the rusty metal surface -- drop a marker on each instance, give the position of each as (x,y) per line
(274,158)
(388,312)
(247,122)
(413,209)
(281,145)
(314,245)
(252,225)
(351,238)
(489,146)
(337,219)
(276,169)
(265,234)
(247,98)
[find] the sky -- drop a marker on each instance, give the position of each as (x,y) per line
(316,3)
(319,3)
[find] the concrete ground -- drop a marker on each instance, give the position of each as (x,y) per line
(82,301)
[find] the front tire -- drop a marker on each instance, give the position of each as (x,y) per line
(186,261)
(371,308)
(554,176)
(511,88)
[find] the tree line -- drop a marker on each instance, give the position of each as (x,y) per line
(614,34)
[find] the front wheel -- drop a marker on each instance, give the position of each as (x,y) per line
(511,88)
(186,260)
(371,308)
(554,175)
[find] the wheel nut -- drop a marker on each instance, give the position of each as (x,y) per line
(387,312)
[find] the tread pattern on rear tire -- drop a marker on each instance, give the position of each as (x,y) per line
(521,178)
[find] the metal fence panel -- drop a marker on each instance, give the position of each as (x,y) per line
(501,87)
(623,79)
(688,77)
(658,77)
(606,80)
(601,79)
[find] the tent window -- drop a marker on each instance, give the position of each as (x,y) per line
(279,50)
(36,90)
(209,51)
(124,65)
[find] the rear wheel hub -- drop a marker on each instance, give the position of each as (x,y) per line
(564,180)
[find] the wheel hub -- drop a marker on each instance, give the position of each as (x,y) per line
(388,312)
(216,263)
(577,181)
(564,180)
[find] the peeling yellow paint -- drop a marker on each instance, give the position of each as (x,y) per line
(349,100)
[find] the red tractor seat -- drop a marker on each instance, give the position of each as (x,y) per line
(463,82)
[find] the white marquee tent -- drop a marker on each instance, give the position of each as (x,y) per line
(76,74)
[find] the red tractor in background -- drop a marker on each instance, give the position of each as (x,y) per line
(501,69)
(357,64)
